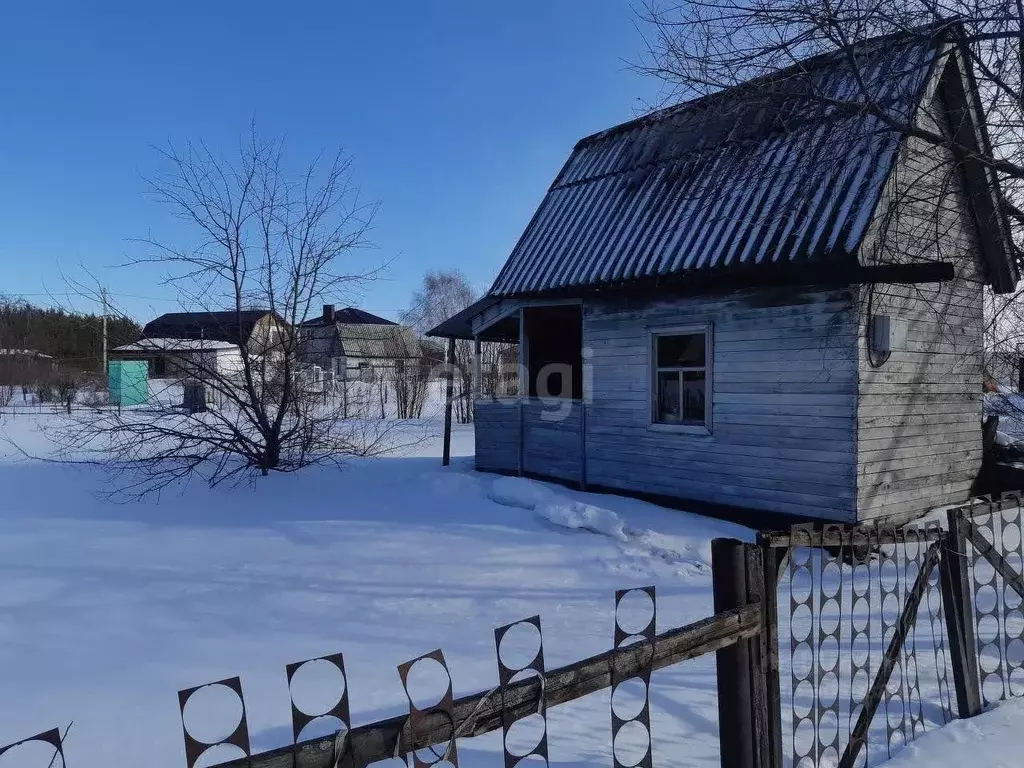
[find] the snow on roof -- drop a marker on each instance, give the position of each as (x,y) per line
(26,353)
(175,345)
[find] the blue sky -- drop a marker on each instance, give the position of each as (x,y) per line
(458,115)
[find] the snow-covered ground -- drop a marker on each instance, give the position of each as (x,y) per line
(994,739)
(107,610)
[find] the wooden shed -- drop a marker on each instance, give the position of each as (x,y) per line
(758,303)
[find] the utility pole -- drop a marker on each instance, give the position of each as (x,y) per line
(103,297)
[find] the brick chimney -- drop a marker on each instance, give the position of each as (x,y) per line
(328,313)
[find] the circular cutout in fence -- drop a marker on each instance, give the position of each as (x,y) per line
(800,623)
(888,575)
(911,671)
(831,578)
(802,661)
(988,658)
(985,599)
(1015,653)
(31,754)
(800,553)
(988,629)
(895,711)
(860,614)
(525,735)
(890,609)
(897,741)
(828,728)
(1017,682)
(860,649)
(895,684)
(519,645)
(983,571)
(803,737)
(628,698)
(631,743)
(912,544)
(427,683)
(221,753)
(992,688)
(910,575)
(800,583)
(829,616)
(940,660)
(859,685)
(634,612)
(1011,600)
(828,653)
(317,686)
(321,726)
(212,714)
(828,689)
(1011,537)
(803,698)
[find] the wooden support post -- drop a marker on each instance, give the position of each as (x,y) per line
(449,391)
(766,590)
(478,384)
(736,726)
(904,626)
(959,613)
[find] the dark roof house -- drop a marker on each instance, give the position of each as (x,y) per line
(754,290)
(343,340)
(231,326)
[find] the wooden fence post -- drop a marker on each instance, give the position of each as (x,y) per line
(959,613)
(449,391)
(765,588)
(744,691)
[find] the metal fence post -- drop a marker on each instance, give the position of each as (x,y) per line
(959,613)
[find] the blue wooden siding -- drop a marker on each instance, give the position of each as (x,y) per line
(784,404)
(552,443)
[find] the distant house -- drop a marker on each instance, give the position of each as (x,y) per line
(257,331)
(730,303)
(183,358)
(352,344)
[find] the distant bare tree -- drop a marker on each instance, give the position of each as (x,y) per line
(700,48)
(410,380)
(442,295)
(266,239)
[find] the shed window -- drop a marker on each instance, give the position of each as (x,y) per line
(682,380)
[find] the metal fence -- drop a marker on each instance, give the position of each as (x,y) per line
(879,632)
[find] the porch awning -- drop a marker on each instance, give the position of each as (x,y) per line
(460,326)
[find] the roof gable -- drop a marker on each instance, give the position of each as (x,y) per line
(227,325)
(757,175)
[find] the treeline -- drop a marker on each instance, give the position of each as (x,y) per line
(74,339)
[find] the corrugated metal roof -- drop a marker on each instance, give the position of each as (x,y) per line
(392,342)
(754,175)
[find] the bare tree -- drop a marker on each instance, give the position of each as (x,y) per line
(410,380)
(442,295)
(268,240)
(698,49)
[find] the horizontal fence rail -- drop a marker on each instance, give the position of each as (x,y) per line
(483,712)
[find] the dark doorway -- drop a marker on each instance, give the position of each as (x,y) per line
(554,350)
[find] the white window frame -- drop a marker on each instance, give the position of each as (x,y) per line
(652,377)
